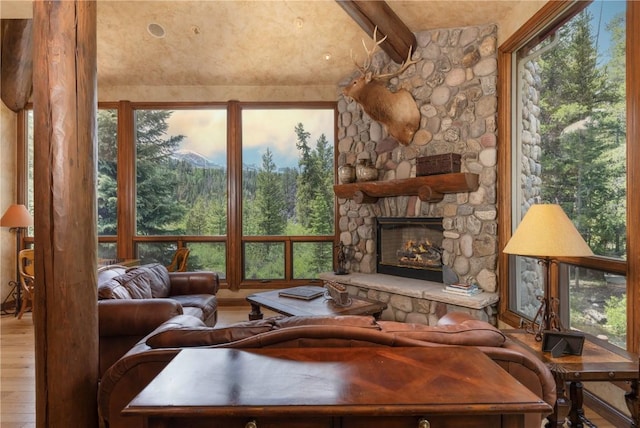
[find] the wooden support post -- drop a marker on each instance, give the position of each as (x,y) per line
(65,312)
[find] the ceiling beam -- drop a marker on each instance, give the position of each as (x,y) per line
(372,14)
(16,67)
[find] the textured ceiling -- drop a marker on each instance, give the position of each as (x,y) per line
(270,43)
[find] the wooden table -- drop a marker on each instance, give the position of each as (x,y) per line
(319,306)
(335,387)
(600,362)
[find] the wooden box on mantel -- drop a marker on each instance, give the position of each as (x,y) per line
(437,164)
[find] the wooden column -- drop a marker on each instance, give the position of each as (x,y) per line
(65,313)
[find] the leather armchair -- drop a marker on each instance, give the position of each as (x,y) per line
(133,302)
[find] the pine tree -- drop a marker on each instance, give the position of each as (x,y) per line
(270,199)
(158,209)
(322,204)
(306,179)
(157,206)
(314,205)
(107,172)
(576,99)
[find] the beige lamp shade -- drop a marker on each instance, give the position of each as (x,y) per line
(547,232)
(16,216)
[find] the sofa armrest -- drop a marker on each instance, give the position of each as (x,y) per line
(526,368)
(134,317)
(183,283)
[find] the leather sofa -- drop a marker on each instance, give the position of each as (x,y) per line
(130,374)
(132,302)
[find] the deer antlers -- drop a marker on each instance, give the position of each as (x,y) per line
(366,66)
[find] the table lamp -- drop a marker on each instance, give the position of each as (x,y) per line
(546,233)
(16,218)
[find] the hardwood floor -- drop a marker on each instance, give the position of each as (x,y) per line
(17,369)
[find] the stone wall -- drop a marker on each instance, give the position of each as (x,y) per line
(454,85)
(530,182)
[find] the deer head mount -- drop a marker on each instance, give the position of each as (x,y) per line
(397,111)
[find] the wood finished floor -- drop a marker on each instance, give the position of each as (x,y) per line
(17,369)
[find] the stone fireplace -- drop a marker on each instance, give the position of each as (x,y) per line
(454,85)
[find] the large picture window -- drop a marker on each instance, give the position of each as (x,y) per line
(256,206)
(187,176)
(287,190)
(181,183)
(570,149)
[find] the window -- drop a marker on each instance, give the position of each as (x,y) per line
(569,147)
(278,171)
(180,169)
(181,183)
(287,191)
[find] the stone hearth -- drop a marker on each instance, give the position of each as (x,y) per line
(413,300)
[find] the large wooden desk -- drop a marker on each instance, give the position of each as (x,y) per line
(335,387)
(600,362)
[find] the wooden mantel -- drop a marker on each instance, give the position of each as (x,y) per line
(429,188)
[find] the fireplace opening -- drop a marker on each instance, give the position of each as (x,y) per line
(410,247)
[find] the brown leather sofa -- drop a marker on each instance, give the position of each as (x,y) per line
(132,302)
(129,375)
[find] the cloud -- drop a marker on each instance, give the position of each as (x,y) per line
(205,132)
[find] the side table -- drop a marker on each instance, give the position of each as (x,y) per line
(600,362)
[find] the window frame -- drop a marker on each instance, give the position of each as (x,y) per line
(548,18)
(127,239)
(234,240)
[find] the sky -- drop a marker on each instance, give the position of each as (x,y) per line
(205,132)
(603,11)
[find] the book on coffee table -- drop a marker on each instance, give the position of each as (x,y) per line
(303,292)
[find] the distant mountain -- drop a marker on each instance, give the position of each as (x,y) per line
(195,159)
(200,161)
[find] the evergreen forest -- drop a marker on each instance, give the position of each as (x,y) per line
(178,197)
(583,166)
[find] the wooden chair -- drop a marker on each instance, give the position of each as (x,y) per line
(27,279)
(179,262)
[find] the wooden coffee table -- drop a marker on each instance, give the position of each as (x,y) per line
(319,306)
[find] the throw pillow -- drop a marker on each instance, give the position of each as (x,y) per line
(112,289)
(137,283)
(158,277)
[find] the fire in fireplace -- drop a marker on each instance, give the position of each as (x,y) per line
(410,247)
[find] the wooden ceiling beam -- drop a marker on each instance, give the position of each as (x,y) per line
(371,14)
(16,67)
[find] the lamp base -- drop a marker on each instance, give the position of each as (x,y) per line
(546,318)
(12,297)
